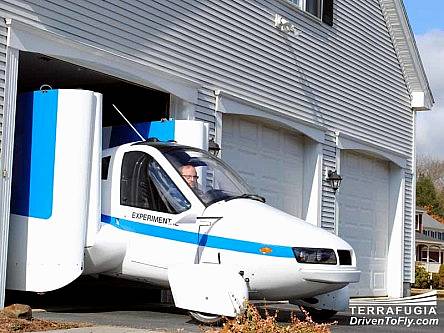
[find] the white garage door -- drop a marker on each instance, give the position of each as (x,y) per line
(268,157)
(363,219)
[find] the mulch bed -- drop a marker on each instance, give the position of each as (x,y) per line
(15,325)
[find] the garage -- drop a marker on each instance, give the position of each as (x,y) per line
(66,86)
(364,200)
(138,103)
(269,157)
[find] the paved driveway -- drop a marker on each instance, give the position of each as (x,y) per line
(119,303)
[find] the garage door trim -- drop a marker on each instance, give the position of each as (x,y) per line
(396,205)
(345,141)
(27,38)
(229,104)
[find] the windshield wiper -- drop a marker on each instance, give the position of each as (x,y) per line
(247,196)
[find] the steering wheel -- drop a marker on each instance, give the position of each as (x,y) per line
(212,195)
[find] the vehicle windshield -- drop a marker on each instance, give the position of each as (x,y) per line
(210,178)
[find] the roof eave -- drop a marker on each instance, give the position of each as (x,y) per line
(408,55)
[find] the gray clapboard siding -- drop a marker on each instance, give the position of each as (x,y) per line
(4,227)
(346,77)
(409,224)
(206,105)
(338,79)
(409,214)
(3,35)
(328,220)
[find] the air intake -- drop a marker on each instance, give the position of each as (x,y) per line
(344,257)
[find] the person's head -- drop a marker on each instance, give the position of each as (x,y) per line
(188,172)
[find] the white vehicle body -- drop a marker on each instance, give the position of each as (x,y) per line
(213,251)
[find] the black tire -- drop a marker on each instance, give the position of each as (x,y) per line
(206,318)
(318,314)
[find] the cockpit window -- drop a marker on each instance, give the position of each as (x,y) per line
(105,167)
(144,184)
(210,178)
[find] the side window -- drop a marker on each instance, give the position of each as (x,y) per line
(144,184)
(105,167)
(322,9)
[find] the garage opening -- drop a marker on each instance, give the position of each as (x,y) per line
(364,208)
(138,103)
(37,72)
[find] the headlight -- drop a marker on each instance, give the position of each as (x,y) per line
(306,255)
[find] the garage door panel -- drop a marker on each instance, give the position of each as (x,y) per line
(380,250)
(270,139)
(293,146)
(292,161)
(250,154)
(353,166)
(363,219)
(248,132)
(351,187)
(364,246)
(379,282)
(231,128)
(250,181)
(349,213)
(380,222)
(290,184)
(269,166)
(273,198)
(235,156)
(380,171)
(269,158)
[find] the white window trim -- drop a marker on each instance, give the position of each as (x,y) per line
(302,5)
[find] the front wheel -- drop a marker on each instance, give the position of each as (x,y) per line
(206,318)
(318,314)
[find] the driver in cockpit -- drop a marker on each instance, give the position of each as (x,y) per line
(188,172)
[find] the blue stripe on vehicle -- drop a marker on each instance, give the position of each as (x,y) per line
(106,218)
(34,154)
(162,130)
(206,240)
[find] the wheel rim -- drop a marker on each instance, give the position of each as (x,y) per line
(206,318)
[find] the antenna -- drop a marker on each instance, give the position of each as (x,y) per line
(134,129)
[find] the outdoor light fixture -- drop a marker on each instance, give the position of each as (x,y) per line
(285,25)
(213,147)
(334,180)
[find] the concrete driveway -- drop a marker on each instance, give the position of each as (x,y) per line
(118,303)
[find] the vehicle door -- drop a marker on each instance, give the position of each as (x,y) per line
(158,213)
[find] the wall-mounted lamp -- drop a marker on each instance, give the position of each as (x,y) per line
(213,147)
(334,180)
(285,25)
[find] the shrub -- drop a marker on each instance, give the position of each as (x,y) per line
(441,276)
(252,322)
(435,281)
(422,279)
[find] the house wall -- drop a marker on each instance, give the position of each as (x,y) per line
(3,35)
(3,226)
(344,78)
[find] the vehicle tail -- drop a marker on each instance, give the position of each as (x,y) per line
(52,187)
